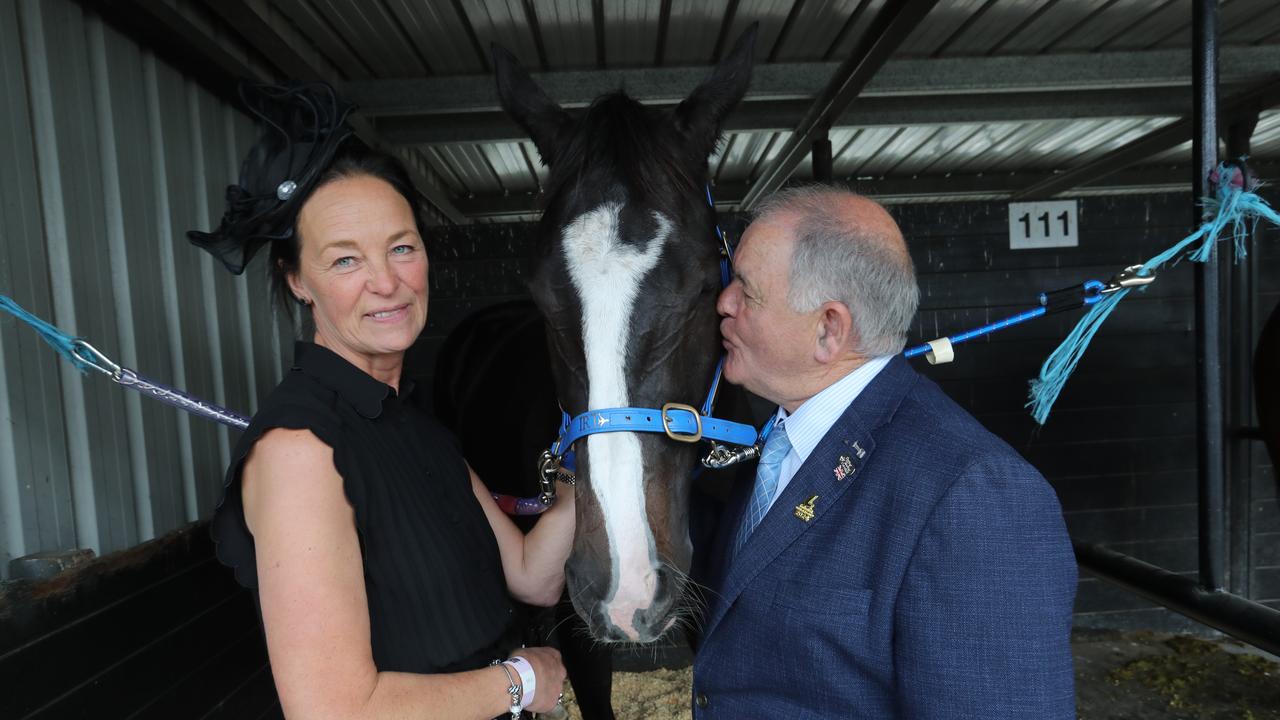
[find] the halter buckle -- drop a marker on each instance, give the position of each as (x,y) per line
(681,437)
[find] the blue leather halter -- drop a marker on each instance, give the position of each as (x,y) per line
(680,422)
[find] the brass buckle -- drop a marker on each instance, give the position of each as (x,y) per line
(666,423)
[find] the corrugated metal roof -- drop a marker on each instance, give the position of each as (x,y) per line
(392,39)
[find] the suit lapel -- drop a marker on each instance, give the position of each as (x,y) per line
(833,467)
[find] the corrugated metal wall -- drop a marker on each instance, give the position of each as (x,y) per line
(107,158)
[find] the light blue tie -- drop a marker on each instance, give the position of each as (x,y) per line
(776,448)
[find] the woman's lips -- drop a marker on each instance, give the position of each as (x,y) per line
(389,315)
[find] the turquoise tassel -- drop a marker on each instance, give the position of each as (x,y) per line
(1233,207)
(60,341)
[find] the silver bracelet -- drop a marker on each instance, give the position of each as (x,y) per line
(516,692)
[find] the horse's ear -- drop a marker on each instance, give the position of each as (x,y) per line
(527,104)
(701,114)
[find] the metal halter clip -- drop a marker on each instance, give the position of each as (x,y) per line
(722,456)
(549,472)
(1127,278)
(93,357)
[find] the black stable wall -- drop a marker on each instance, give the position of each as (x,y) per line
(157,631)
(1120,445)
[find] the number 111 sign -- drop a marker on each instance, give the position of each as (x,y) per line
(1043,225)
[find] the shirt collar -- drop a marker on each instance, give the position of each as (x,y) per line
(810,422)
(355,386)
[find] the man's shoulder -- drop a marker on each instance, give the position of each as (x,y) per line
(939,431)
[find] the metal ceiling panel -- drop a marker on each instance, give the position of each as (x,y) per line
(772,16)
(692,31)
(1120,17)
(1048,25)
(853,30)
(1168,24)
(509,163)
(631,32)
(863,146)
(378,36)
(440,35)
(892,153)
(1245,22)
(937,29)
(988,27)
(568,33)
(934,149)
(497,21)
(814,31)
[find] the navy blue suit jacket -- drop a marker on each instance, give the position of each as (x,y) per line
(935,580)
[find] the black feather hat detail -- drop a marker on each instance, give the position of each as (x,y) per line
(304,125)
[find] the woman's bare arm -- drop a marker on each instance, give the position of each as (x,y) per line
(533,563)
(314,607)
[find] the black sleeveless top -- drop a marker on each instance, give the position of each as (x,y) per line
(437,595)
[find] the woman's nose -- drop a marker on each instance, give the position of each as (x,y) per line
(382,280)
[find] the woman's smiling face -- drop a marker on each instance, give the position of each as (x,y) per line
(362,266)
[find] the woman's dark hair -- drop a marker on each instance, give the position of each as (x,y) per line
(352,161)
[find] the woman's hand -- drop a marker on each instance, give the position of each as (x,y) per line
(550,674)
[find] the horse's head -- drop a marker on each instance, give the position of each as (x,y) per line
(627,276)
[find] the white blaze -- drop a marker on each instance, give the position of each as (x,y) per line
(607,275)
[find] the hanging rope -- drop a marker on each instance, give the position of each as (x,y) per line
(1233,209)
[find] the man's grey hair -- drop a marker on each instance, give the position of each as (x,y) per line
(836,260)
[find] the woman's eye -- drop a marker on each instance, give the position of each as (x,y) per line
(344,262)
(402,250)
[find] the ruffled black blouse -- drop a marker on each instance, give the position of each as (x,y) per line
(437,596)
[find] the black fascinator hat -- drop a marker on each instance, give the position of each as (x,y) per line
(305,123)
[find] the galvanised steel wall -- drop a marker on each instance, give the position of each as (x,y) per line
(107,157)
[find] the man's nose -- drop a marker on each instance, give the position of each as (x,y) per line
(727,303)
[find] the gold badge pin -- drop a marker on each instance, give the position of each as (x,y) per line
(804,510)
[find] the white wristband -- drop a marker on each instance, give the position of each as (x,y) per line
(528,681)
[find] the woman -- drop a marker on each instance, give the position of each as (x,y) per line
(381,562)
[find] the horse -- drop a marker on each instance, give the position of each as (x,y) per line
(625,275)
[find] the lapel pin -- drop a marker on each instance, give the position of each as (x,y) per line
(857,449)
(844,469)
(804,510)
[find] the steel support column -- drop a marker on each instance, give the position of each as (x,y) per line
(1209,395)
(1241,282)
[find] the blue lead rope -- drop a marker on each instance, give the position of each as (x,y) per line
(1233,207)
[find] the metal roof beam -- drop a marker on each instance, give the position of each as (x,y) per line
(867,112)
(894,22)
(905,188)
(1113,71)
(268,30)
(1261,97)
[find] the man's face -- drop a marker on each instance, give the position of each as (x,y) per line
(769,346)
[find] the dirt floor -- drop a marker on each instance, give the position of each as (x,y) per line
(1119,676)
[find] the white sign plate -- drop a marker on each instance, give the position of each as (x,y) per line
(1043,225)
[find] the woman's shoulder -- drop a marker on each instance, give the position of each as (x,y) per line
(299,402)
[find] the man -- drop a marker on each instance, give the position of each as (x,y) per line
(893,558)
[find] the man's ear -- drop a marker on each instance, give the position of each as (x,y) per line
(526,102)
(835,335)
(701,114)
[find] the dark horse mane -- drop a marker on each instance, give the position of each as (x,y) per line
(616,138)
